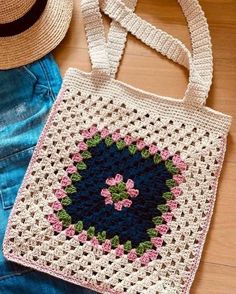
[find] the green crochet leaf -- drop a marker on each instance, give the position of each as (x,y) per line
(128,246)
(170,183)
(115,241)
(152,233)
(91,142)
(120,145)
(101,236)
(66,201)
(76,177)
(167,195)
(147,245)
(91,232)
(64,217)
(86,154)
(157,220)
(170,167)
(109,141)
(132,149)
(145,153)
(70,189)
(157,158)
(81,166)
(163,208)
(140,249)
(97,139)
(79,227)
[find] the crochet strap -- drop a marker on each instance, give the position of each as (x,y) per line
(98,49)
(104,57)
(94,30)
(200,64)
(116,41)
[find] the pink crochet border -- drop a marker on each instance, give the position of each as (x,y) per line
(101,288)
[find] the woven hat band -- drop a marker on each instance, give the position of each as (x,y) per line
(25,22)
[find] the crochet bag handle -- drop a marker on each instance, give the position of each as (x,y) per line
(199,64)
(100,51)
(116,41)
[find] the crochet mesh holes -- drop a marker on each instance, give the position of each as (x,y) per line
(201,155)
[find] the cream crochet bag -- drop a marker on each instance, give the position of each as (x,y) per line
(119,193)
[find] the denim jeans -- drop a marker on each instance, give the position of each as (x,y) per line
(26,96)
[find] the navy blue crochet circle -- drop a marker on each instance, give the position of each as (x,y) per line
(130,223)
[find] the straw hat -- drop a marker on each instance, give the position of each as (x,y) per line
(29,29)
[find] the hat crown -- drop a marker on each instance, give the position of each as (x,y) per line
(14,9)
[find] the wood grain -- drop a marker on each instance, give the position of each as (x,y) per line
(145,69)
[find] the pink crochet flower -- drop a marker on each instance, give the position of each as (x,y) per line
(111,182)
(152,254)
(108,200)
(93,130)
(179,179)
(59,193)
(144,259)
(94,241)
(86,134)
(57,206)
(167,216)
(118,178)
(182,166)
(104,133)
(82,146)
(65,181)
(71,169)
(57,227)
(70,231)
(132,255)
(119,250)
(172,204)
(77,157)
(153,149)
(140,145)
(133,192)
(157,242)
(165,154)
(116,136)
(126,203)
(106,246)
(162,229)
(106,193)
(176,191)
(52,218)
(82,237)
(118,205)
(176,159)
(128,140)
(129,184)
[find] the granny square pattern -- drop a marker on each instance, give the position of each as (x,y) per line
(132,212)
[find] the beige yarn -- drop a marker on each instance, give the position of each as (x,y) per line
(187,127)
(39,39)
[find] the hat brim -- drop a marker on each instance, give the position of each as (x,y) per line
(39,39)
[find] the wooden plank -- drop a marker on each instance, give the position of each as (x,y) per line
(214,279)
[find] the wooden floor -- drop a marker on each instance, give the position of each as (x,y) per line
(148,70)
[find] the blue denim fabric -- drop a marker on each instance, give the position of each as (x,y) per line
(26,96)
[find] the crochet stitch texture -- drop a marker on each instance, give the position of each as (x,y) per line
(119,193)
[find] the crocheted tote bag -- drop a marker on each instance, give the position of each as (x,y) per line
(120,190)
